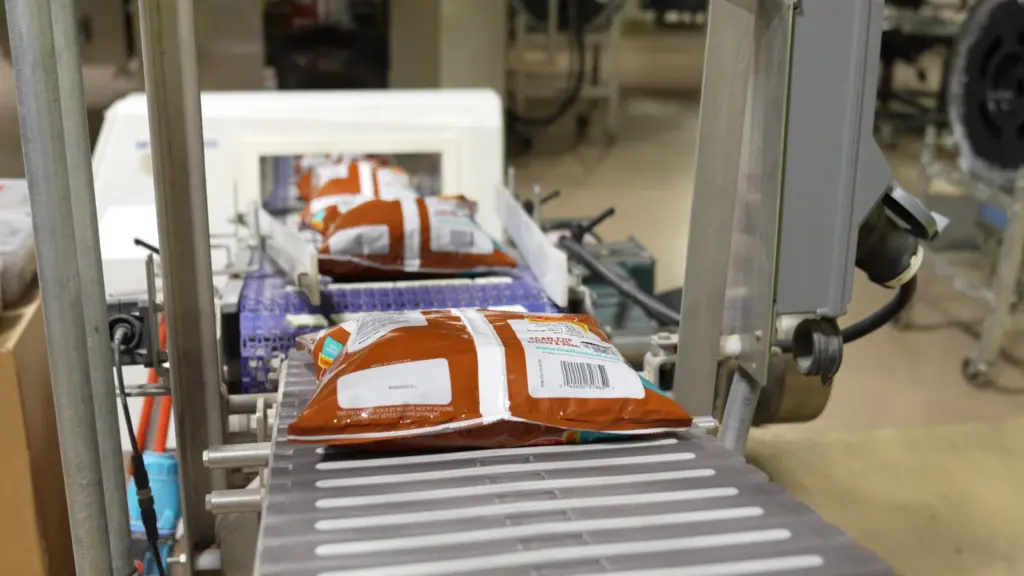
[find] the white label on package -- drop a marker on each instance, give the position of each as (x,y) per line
(394,184)
(453,230)
(420,383)
(373,240)
(566,360)
(325,173)
(344,202)
(373,326)
(307,162)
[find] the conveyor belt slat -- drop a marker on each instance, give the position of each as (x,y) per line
(678,505)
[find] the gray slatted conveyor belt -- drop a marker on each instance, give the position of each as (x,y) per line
(664,506)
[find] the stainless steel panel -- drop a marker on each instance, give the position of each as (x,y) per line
(727,66)
(755,229)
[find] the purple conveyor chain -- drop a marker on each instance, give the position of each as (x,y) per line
(269,308)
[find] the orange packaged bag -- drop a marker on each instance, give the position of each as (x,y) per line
(336,183)
(378,238)
(475,378)
(306,166)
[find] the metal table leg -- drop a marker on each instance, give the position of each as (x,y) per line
(53,218)
(90,270)
(176,135)
(1004,290)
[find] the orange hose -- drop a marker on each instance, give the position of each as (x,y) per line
(142,430)
(164,423)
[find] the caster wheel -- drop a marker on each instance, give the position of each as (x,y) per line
(976,374)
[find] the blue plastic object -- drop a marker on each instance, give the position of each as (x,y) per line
(163,481)
(149,566)
(993,216)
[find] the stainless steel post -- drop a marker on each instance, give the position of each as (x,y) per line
(90,270)
(243,501)
(176,136)
(236,456)
(247,403)
(1004,289)
(53,215)
(739,411)
(727,64)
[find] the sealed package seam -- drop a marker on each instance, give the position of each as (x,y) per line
(476,378)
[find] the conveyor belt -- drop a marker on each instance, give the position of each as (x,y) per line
(673,506)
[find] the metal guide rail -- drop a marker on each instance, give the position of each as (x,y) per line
(668,505)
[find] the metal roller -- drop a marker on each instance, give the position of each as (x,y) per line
(986,91)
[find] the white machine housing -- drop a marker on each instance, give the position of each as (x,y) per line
(464,126)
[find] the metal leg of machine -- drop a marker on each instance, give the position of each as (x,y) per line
(90,270)
(169,62)
(1004,290)
(727,66)
(36,72)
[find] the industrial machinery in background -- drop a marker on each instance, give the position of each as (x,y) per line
(310,44)
(327,44)
(628,260)
(677,13)
(914,30)
(978,149)
(581,83)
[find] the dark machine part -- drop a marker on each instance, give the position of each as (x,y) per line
(888,241)
(818,348)
(986,91)
(329,55)
(134,349)
(913,110)
(619,274)
(788,395)
(588,13)
(889,252)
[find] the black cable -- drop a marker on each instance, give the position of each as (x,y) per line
(623,285)
(668,317)
(139,474)
(143,244)
(577,75)
(874,321)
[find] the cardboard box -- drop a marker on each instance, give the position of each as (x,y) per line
(35,538)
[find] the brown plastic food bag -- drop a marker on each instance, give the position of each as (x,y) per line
(379,238)
(333,183)
(326,345)
(476,378)
(306,166)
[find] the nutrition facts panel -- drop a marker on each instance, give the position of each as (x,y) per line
(677,505)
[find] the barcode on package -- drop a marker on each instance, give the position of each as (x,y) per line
(585,376)
(460,238)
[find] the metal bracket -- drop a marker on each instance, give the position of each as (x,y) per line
(154,308)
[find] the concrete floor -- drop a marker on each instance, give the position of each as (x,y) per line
(911,461)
